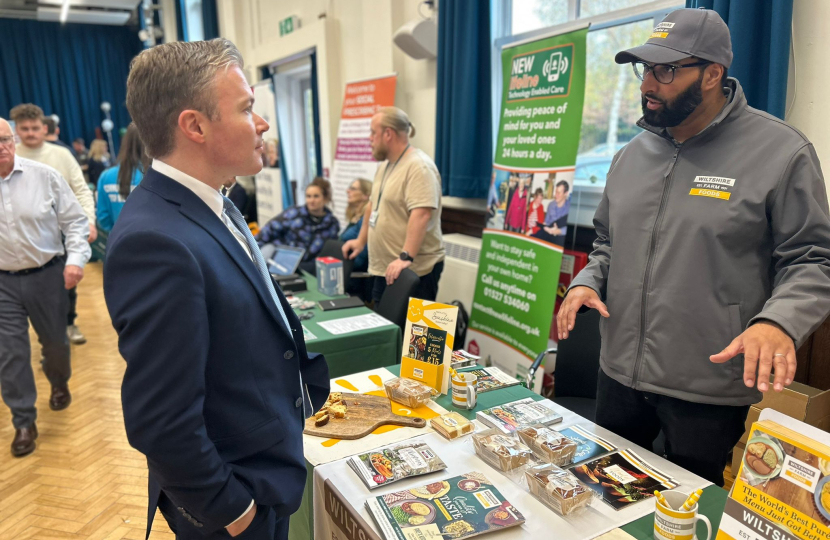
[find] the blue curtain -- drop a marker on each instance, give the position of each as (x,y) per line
(463,135)
(761,44)
(315,108)
(67,70)
(210,21)
(181,24)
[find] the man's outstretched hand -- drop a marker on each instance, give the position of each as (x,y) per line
(575,299)
(764,346)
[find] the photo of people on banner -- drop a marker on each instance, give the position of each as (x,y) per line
(534,204)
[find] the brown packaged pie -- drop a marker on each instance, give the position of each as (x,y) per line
(548,444)
(558,489)
(410,393)
(501,451)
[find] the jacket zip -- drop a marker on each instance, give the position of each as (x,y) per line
(649,265)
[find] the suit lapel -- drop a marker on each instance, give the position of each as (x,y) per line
(191,206)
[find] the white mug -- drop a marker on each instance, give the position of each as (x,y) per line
(464,390)
(670,524)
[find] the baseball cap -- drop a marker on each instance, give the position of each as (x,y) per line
(683,33)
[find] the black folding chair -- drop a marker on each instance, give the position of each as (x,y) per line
(577,366)
(395,300)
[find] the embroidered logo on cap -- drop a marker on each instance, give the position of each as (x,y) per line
(662,30)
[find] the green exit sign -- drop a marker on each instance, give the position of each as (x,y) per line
(289,24)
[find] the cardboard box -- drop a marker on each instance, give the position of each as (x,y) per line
(330,276)
(798,401)
(781,496)
(805,403)
(428,339)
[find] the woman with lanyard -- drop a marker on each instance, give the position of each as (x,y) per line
(402,224)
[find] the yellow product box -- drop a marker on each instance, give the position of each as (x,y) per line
(782,484)
(428,341)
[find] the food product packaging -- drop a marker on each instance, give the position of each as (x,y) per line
(558,489)
(548,444)
(452,425)
(410,393)
(501,451)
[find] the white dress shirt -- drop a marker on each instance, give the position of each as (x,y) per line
(36,206)
(210,196)
(216,203)
(62,160)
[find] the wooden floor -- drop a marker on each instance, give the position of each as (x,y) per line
(84,480)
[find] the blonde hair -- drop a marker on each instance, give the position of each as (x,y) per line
(98,149)
(170,78)
(396,120)
(357,210)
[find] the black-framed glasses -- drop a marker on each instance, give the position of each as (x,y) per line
(663,73)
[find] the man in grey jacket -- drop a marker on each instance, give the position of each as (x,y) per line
(712,262)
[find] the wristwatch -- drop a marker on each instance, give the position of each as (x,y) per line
(406,257)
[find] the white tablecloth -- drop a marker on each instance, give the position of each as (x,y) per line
(542,522)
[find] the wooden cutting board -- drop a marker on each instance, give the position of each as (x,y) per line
(364,414)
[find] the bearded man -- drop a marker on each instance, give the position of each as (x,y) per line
(712,258)
(402,223)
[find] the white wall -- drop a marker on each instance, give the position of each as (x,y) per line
(809,78)
(353,39)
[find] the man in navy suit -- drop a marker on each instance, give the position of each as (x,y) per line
(218,381)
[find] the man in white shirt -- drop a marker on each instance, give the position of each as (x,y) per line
(32,130)
(218,382)
(36,208)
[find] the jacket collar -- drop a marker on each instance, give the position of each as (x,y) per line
(735,103)
(195,209)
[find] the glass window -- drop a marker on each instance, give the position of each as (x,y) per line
(589,8)
(530,15)
(612,100)
(193,20)
(308,113)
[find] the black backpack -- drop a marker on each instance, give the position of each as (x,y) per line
(461,325)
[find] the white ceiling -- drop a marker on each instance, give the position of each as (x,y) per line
(112,12)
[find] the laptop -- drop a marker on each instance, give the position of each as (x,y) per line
(283,261)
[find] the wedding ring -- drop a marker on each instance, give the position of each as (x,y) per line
(779,354)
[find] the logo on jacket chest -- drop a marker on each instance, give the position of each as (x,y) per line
(714,187)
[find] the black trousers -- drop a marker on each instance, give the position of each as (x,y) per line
(699,436)
(542,234)
(426,290)
(72,313)
(265,525)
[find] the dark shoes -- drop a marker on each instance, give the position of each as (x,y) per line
(24,441)
(60,399)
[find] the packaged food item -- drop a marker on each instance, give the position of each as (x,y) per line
(395,462)
(408,392)
(501,451)
(558,489)
(510,416)
(452,425)
(548,444)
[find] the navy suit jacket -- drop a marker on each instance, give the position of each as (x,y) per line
(211,393)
